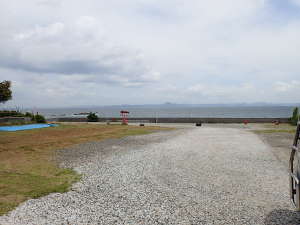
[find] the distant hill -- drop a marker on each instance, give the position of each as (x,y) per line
(176,105)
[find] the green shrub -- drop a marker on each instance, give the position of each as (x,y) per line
(29,114)
(92,117)
(38,118)
(294,119)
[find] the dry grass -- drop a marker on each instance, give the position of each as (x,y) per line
(27,168)
(281,128)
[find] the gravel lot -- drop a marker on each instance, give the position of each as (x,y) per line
(281,145)
(206,175)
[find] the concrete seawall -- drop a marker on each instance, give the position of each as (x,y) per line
(178,120)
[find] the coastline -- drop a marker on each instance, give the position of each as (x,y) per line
(174,120)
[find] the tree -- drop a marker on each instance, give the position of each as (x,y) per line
(5,91)
(92,117)
(39,118)
(295,117)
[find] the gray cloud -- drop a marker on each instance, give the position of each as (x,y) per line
(62,67)
(154,51)
(72,49)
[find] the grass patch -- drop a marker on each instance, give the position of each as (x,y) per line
(280,126)
(27,168)
(269,131)
(272,128)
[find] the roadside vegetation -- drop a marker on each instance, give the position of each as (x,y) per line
(27,163)
(295,117)
(31,118)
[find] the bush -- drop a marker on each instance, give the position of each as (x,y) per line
(295,117)
(6,113)
(92,117)
(29,114)
(38,118)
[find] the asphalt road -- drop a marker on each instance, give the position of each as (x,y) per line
(205,175)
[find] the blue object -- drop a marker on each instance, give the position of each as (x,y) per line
(26,127)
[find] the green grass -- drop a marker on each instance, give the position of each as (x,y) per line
(17,186)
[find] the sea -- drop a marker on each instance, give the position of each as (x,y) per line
(180,111)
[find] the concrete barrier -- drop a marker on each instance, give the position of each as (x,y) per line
(179,120)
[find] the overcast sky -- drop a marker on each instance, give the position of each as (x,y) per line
(94,52)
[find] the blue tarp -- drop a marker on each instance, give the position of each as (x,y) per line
(26,127)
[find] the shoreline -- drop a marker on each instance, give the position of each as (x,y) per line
(174,120)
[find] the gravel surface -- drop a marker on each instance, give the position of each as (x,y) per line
(206,175)
(281,144)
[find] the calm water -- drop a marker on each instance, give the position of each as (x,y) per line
(228,112)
